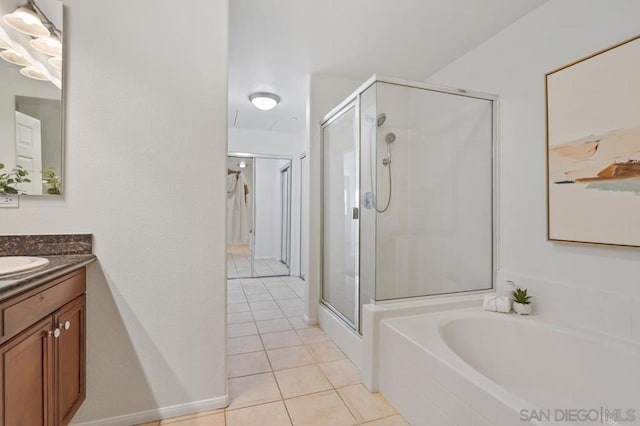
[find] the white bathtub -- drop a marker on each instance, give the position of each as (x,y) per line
(470,367)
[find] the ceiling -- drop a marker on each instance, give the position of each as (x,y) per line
(275,45)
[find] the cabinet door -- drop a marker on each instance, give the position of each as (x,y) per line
(26,373)
(70,359)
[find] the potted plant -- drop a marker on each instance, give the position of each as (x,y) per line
(10,180)
(521,302)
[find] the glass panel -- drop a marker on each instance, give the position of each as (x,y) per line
(272,221)
(434,170)
(340,198)
(368,125)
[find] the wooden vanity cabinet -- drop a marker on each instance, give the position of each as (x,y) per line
(42,364)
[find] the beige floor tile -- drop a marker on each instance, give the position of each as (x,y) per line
(156,423)
(268,315)
(238,307)
(388,421)
(273,414)
(244,344)
(341,373)
(364,405)
(247,364)
(302,381)
(319,409)
(263,306)
(291,357)
(298,323)
(271,326)
(281,339)
(238,317)
(211,418)
(326,351)
(312,335)
(253,390)
(242,329)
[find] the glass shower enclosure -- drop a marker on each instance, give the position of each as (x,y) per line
(408,195)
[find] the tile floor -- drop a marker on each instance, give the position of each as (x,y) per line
(239,265)
(284,372)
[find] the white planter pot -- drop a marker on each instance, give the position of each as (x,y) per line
(521,308)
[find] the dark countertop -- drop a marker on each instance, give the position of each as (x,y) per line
(57,267)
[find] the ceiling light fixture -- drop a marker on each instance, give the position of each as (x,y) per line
(33,73)
(264,101)
(242,164)
(26,20)
(14,57)
(48,45)
(56,62)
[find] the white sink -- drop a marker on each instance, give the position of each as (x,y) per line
(15,264)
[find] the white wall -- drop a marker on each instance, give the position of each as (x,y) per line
(513,64)
(277,143)
(145,169)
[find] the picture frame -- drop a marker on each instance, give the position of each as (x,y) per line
(593,148)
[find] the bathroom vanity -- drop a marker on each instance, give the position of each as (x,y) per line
(43,343)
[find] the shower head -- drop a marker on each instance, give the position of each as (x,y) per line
(390,137)
(381,118)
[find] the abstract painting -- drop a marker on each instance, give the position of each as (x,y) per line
(593,148)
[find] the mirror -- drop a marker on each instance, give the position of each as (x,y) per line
(31,126)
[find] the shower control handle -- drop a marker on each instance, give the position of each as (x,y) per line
(356,213)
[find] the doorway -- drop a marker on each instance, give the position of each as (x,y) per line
(258,215)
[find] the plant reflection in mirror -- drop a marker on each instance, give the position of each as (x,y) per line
(10,180)
(51,179)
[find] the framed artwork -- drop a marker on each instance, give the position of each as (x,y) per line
(593,148)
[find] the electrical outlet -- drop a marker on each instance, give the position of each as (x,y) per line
(9,201)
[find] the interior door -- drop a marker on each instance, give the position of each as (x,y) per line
(340,224)
(29,151)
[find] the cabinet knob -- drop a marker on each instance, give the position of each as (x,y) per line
(56,333)
(66,325)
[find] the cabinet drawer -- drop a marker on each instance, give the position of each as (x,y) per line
(27,311)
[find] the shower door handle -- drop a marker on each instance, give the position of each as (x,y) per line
(356,213)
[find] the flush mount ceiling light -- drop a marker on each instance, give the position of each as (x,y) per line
(56,62)
(264,101)
(14,57)
(33,73)
(25,20)
(48,45)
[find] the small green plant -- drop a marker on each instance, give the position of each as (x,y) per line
(520,296)
(10,180)
(53,180)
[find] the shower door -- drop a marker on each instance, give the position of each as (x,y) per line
(340,214)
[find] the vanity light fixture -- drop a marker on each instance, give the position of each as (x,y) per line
(26,20)
(264,101)
(14,57)
(49,45)
(33,73)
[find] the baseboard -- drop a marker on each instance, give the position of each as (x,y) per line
(161,413)
(310,320)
